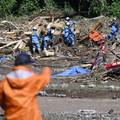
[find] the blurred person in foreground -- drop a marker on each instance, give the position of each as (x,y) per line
(19,88)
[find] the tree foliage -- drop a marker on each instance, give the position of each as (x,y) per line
(89,8)
(115,9)
(6,7)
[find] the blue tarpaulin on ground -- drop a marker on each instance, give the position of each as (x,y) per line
(73,71)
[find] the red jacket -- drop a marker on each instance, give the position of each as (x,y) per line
(18,93)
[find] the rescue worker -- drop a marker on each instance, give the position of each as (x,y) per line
(19,88)
(35,41)
(68,36)
(114,30)
(47,39)
(95,37)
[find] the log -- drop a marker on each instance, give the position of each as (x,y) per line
(6,51)
(85,65)
(9,44)
(17,45)
(8,22)
(55,26)
(97,27)
(28,33)
(11,34)
(40,17)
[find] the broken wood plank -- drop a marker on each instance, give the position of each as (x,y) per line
(9,44)
(17,45)
(22,45)
(55,26)
(10,23)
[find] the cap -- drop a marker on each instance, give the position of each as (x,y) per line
(23,59)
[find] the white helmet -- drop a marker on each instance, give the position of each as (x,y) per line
(52,31)
(34,28)
(68,23)
(114,19)
(67,18)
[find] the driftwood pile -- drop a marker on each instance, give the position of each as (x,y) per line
(16,36)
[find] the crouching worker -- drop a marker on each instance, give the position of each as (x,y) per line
(95,37)
(19,88)
(47,39)
(35,44)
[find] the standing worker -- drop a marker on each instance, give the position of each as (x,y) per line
(35,41)
(68,32)
(114,30)
(19,88)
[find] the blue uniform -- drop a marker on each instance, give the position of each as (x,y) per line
(114,31)
(35,42)
(69,37)
(47,39)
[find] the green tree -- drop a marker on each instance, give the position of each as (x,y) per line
(98,7)
(114,9)
(27,7)
(6,7)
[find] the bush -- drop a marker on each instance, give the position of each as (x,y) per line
(98,7)
(114,9)
(27,7)
(6,7)
(68,10)
(50,4)
(91,7)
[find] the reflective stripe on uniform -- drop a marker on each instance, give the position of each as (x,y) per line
(20,74)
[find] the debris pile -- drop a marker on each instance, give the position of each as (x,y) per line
(15,36)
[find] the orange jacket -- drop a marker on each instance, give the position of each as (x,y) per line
(95,36)
(18,92)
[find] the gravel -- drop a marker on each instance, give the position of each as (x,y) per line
(80,116)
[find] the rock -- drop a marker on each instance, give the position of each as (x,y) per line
(110,111)
(91,85)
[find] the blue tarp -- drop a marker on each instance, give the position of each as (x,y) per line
(73,71)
